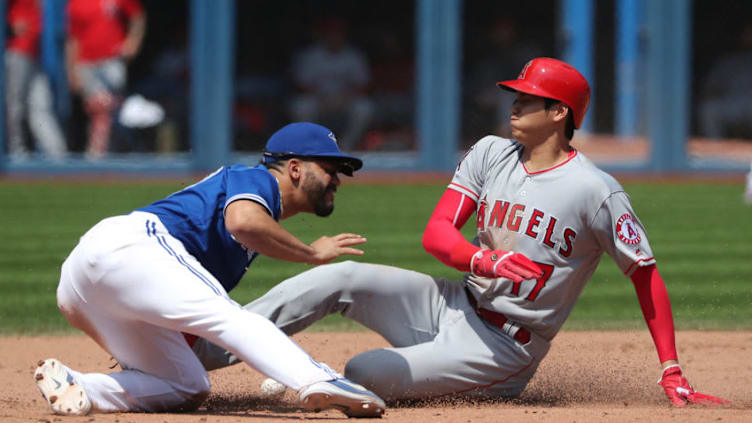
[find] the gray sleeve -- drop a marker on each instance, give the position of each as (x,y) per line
(470,175)
(621,234)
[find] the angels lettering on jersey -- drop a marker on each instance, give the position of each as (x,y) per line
(539,225)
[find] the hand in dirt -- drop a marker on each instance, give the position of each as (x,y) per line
(680,393)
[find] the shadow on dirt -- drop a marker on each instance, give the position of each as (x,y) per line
(249,405)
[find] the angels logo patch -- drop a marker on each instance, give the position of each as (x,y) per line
(627,231)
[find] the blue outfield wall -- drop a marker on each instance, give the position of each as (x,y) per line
(438,39)
(3,29)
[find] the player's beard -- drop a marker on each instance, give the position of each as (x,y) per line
(317,196)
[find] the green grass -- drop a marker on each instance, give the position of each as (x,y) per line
(700,234)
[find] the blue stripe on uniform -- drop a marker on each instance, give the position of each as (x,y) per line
(163,242)
(185,263)
(182,261)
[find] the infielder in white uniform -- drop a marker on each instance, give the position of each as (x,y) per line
(142,283)
(545,215)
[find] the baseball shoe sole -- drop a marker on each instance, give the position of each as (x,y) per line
(65,395)
(343,395)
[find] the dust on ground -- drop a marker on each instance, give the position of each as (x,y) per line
(587,376)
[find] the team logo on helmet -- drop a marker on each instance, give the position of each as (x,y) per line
(523,72)
(627,231)
(331,135)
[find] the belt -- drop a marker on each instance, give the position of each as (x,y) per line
(497,319)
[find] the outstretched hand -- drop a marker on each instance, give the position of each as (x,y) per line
(329,248)
(680,393)
(504,264)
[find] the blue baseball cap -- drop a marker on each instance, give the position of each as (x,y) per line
(309,141)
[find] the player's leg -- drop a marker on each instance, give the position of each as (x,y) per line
(359,116)
(102,84)
(401,305)
(147,280)
(713,118)
(159,373)
(748,188)
(17,79)
(468,357)
(42,119)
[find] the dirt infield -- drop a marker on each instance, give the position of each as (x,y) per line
(587,376)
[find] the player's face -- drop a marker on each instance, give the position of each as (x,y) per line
(529,117)
(320,185)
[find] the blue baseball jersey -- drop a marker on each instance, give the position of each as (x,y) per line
(195,216)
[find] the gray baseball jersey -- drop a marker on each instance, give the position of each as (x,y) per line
(562,218)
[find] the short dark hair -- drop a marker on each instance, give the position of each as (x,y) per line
(278,165)
(569,130)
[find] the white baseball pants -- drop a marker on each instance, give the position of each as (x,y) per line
(134,288)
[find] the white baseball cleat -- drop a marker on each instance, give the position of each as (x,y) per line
(62,392)
(343,395)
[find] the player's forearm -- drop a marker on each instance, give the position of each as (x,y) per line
(252,226)
(454,251)
(656,308)
(136,32)
(274,241)
(71,54)
(71,59)
(442,237)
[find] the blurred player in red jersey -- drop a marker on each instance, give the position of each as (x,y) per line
(103,36)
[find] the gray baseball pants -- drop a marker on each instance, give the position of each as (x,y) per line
(440,346)
(28,96)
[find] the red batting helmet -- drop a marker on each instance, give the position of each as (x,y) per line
(551,78)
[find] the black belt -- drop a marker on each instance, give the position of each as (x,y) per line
(497,319)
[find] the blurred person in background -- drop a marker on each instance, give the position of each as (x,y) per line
(748,190)
(28,93)
(725,107)
(392,90)
(508,55)
(332,78)
(103,36)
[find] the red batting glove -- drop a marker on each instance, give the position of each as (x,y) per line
(504,264)
(680,393)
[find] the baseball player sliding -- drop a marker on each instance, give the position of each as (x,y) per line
(545,215)
(136,283)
